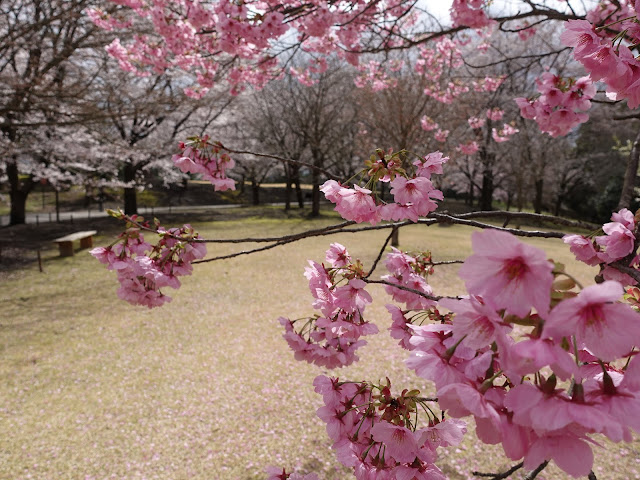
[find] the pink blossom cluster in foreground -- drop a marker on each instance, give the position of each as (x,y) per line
(143,269)
(199,155)
(379,435)
(414,195)
(539,367)
(617,244)
(331,339)
(560,105)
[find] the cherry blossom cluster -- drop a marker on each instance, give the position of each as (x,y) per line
(494,114)
(411,272)
(469,13)
(197,37)
(504,134)
(375,76)
(498,135)
(561,104)
(434,64)
(540,367)
(199,155)
(468,148)
(378,434)
(428,124)
(414,194)
(617,245)
(330,340)
(604,43)
(143,269)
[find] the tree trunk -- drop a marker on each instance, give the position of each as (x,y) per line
(295,176)
(57,206)
(18,194)
(537,201)
(299,193)
(288,190)
(395,237)
(88,194)
(471,194)
(130,196)
(626,197)
(18,207)
(255,192)
(486,195)
(558,205)
(315,194)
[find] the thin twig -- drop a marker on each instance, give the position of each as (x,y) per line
(412,290)
(243,252)
(446,262)
(444,218)
(295,236)
(530,216)
(499,476)
(375,263)
(282,159)
(534,473)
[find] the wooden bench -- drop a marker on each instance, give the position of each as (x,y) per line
(65,244)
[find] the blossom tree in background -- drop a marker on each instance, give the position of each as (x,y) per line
(43,63)
(542,364)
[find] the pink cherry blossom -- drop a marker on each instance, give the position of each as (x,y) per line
(609,329)
(400,442)
(582,248)
(508,273)
(475,323)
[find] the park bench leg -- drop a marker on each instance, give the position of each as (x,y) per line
(86,242)
(66,249)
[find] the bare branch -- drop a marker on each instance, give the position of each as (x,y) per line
(412,290)
(499,476)
(381,252)
(534,473)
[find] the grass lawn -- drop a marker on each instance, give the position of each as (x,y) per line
(205,387)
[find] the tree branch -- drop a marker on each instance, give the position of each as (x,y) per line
(499,476)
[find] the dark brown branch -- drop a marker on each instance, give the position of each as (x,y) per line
(381,252)
(412,290)
(632,272)
(534,473)
(295,236)
(444,218)
(243,252)
(531,216)
(499,476)
(285,160)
